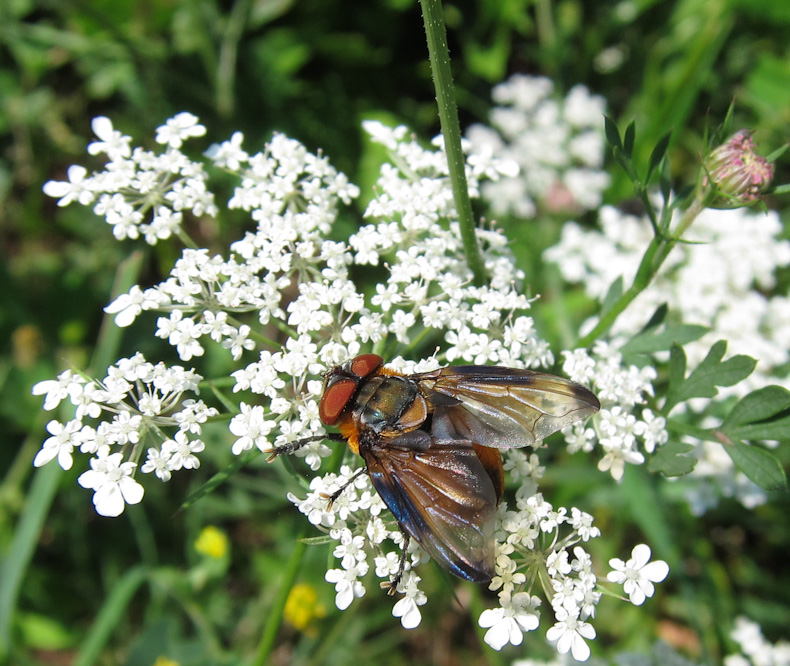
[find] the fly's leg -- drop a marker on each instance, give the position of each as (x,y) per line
(291,447)
(342,488)
(392,585)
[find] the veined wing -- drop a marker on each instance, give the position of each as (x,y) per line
(443,498)
(505,407)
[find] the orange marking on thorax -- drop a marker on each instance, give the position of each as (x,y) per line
(349,431)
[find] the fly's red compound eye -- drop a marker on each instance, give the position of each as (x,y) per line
(335,399)
(363,365)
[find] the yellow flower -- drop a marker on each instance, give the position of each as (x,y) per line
(164,661)
(212,542)
(302,607)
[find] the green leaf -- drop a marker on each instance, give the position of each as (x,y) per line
(776,154)
(677,371)
(613,295)
(665,182)
(778,429)
(655,340)
(727,124)
(710,373)
(670,459)
(19,553)
(612,133)
(657,318)
(758,464)
(763,414)
(628,139)
(658,154)
(43,633)
(759,405)
(110,616)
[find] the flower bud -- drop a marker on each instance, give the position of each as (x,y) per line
(736,172)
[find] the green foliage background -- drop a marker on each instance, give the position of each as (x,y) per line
(76,588)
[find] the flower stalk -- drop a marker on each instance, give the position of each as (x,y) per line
(439,54)
(655,255)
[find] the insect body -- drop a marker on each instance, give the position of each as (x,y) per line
(430,444)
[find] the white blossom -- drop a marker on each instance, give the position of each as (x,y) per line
(638,574)
(507,624)
(570,634)
(112,483)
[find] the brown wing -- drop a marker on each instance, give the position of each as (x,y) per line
(442,497)
(504,407)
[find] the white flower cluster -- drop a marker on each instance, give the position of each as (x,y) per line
(530,550)
(558,145)
(140,192)
(136,401)
(346,507)
(294,197)
(756,650)
(623,422)
(723,282)
(287,276)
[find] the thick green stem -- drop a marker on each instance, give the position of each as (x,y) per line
(451,131)
(654,256)
(275,618)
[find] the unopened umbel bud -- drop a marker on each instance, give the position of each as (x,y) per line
(738,173)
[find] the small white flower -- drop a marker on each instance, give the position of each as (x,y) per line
(515,616)
(111,480)
(347,585)
(182,126)
(60,445)
(638,574)
(570,633)
(618,453)
(157,462)
(387,565)
(56,390)
(351,549)
(229,153)
(76,189)
(252,429)
(127,306)
(238,341)
(407,608)
(182,451)
(111,142)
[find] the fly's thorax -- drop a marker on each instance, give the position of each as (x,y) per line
(387,403)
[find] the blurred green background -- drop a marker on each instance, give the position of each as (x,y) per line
(76,588)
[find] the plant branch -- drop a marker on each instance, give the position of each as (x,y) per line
(654,256)
(436,35)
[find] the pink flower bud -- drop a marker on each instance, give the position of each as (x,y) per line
(737,172)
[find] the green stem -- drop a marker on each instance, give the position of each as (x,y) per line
(228,55)
(451,131)
(110,616)
(654,256)
(547,35)
(17,558)
(275,618)
(703,434)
